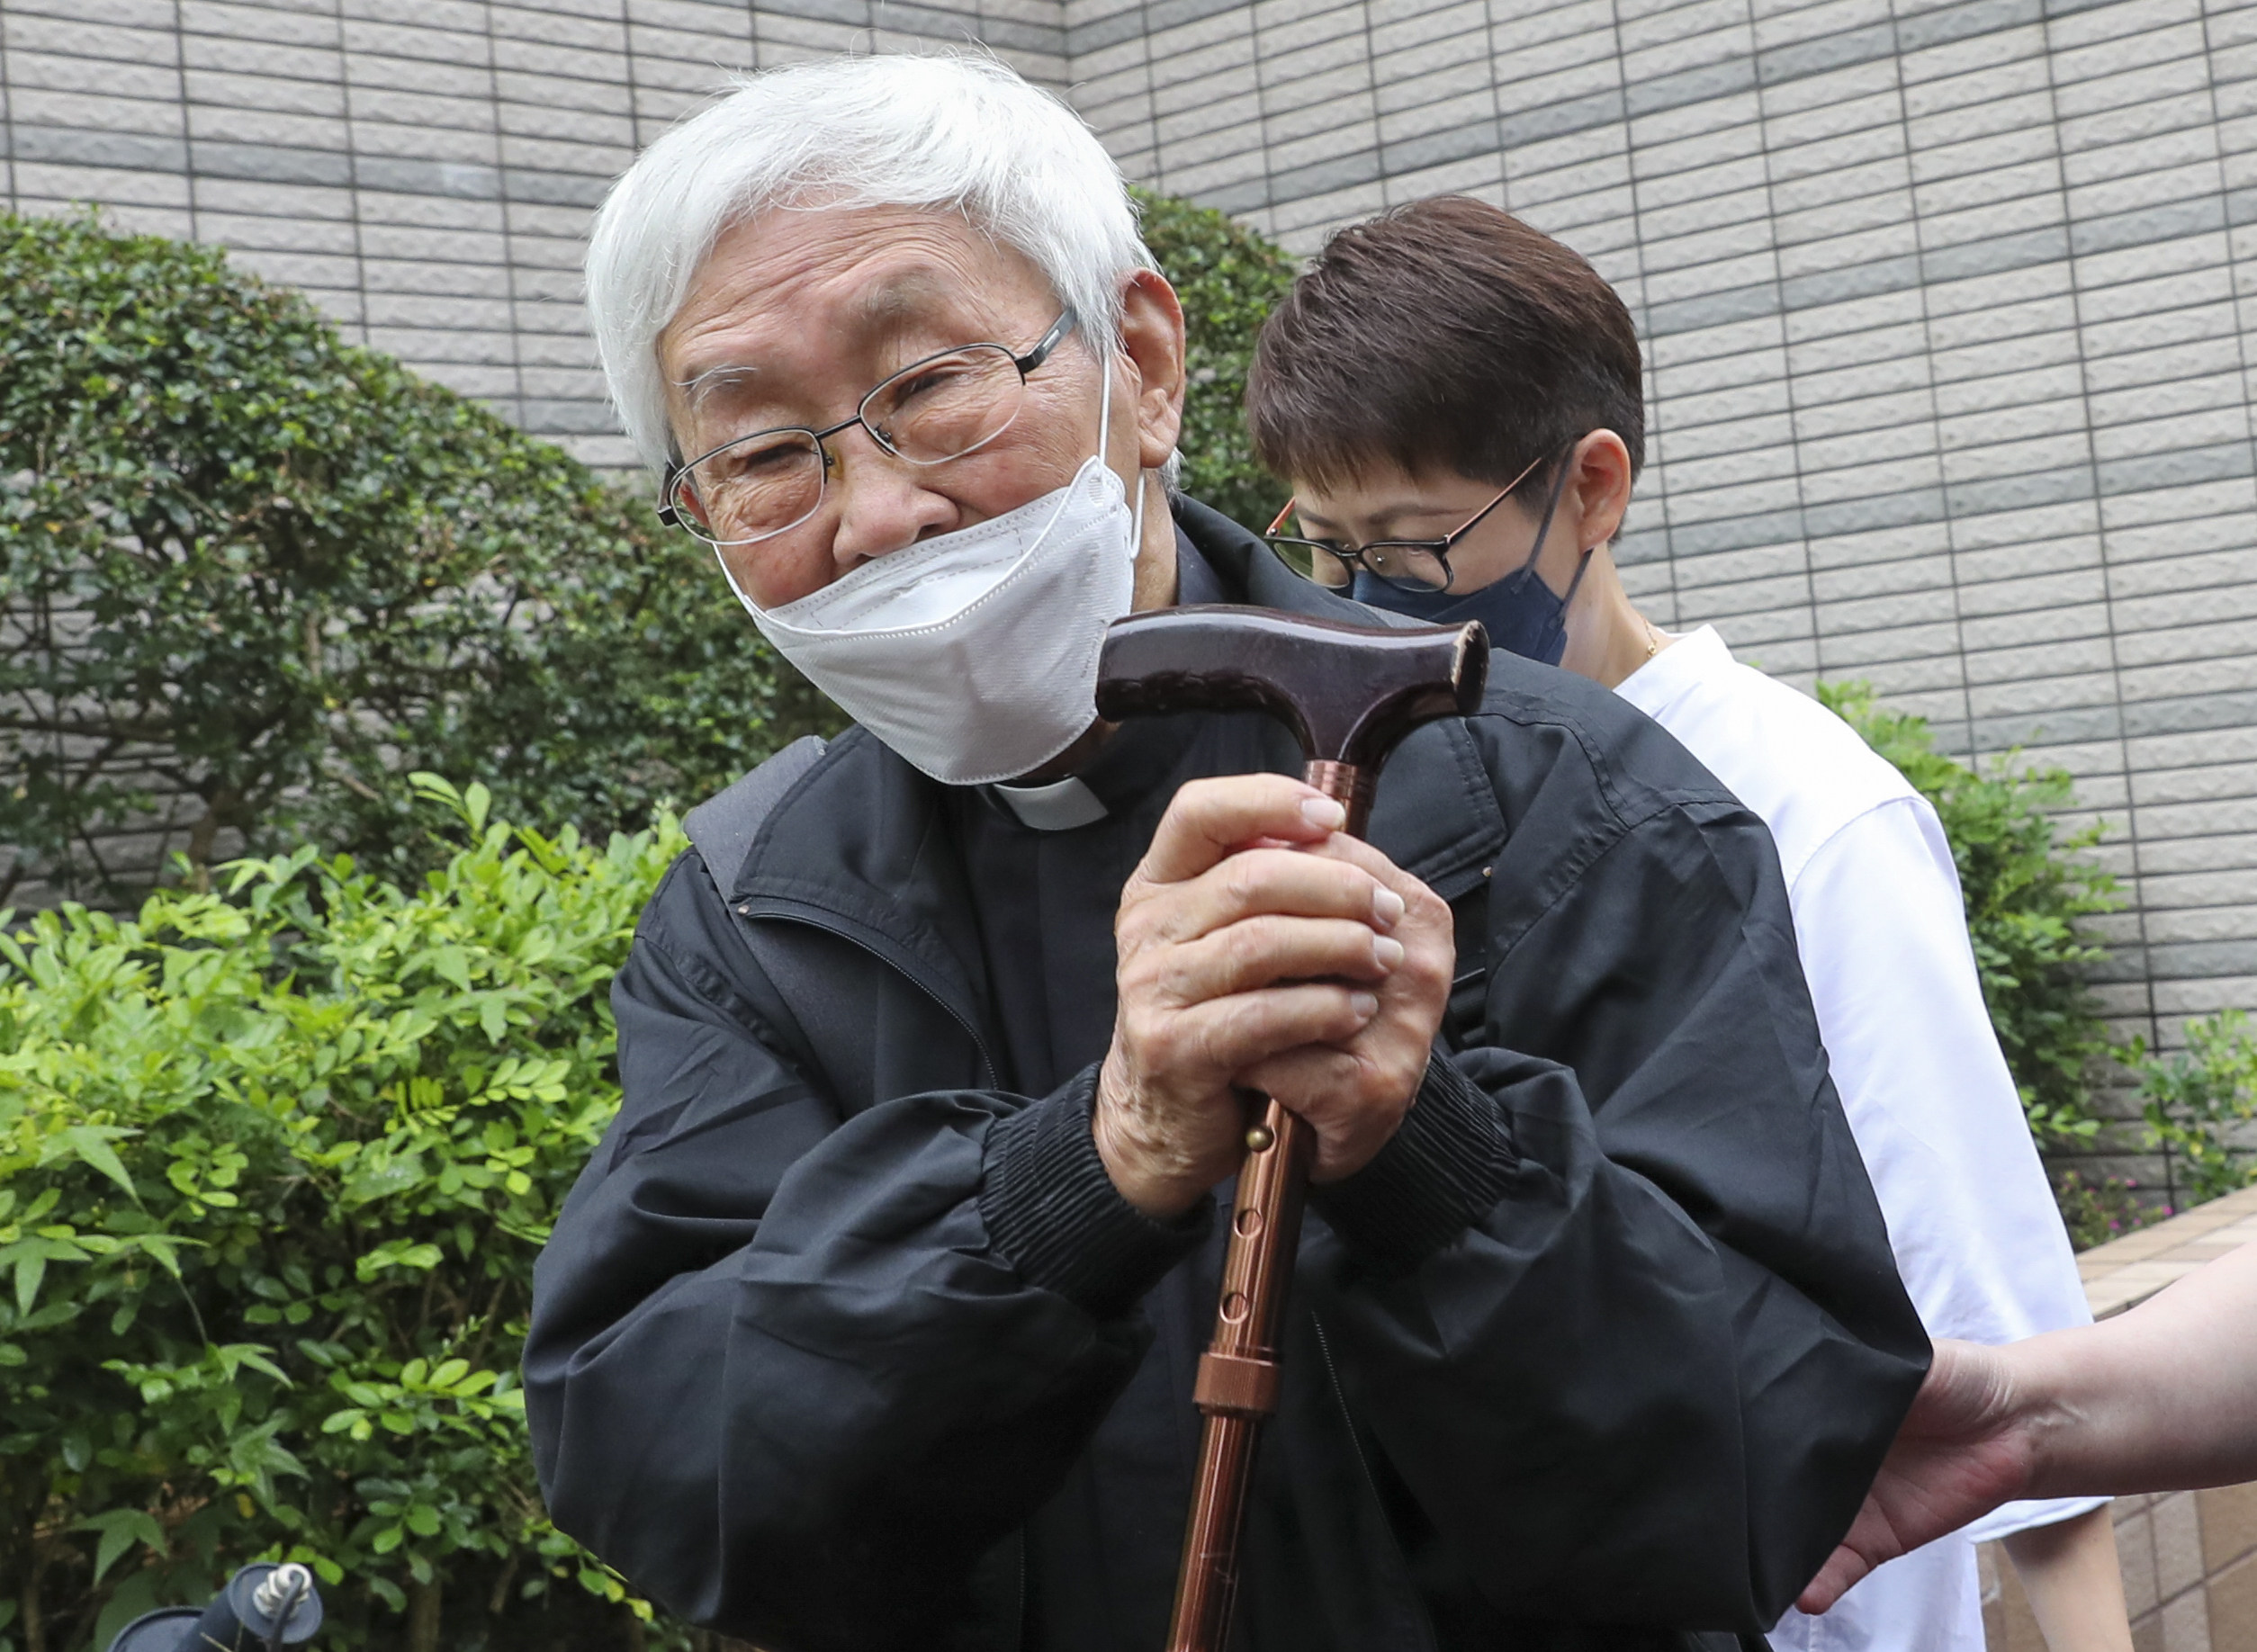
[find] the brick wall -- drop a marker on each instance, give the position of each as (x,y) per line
(1944,300)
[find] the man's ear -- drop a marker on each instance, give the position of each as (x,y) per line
(1152,338)
(1598,488)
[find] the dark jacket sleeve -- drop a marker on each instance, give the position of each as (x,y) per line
(796,1373)
(1617,1300)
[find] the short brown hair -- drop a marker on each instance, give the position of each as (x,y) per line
(1445,333)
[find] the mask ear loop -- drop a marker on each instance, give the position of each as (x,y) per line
(1527,569)
(1104,440)
(1582,566)
(1543,531)
(1104,406)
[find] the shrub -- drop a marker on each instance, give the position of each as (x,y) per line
(1228,278)
(2197,1099)
(244,560)
(2028,887)
(274,1164)
(2095,1212)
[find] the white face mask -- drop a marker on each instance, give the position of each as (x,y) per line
(973,655)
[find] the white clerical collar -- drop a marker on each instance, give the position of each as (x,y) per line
(1059,806)
(1064,804)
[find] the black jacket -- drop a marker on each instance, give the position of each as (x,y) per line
(839,1344)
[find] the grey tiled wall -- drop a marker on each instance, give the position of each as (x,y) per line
(1944,302)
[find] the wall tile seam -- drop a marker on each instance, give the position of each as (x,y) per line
(1694,313)
(2240,342)
(7,117)
(2038,373)
(337,169)
(1658,419)
(2141,939)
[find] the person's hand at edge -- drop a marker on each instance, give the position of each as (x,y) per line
(1966,1446)
(2161,1398)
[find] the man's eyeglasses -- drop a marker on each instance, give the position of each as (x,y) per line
(1421,565)
(755,487)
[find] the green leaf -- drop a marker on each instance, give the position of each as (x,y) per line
(91,1145)
(120,1529)
(31,1268)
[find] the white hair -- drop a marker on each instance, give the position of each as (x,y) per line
(952,133)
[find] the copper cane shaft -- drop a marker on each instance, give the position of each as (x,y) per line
(1237,1381)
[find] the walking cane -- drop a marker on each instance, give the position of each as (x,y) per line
(1349,694)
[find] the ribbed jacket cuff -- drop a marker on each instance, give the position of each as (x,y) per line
(1052,1210)
(1443,1170)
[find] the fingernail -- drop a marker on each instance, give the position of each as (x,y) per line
(1387,906)
(1324,812)
(1367,1005)
(1387,950)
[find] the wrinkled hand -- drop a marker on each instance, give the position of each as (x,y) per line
(1261,948)
(1967,1445)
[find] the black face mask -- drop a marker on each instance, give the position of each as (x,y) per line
(1520,612)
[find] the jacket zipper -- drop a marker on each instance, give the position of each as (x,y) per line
(846,931)
(1370,1481)
(1019,1619)
(1340,1398)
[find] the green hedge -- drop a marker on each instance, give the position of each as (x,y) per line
(1229,278)
(279,572)
(2028,886)
(274,1164)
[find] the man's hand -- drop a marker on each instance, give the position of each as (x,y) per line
(1260,949)
(1967,1445)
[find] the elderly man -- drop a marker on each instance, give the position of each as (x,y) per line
(872,1324)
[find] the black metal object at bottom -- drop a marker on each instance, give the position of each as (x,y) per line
(168,1629)
(257,1610)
